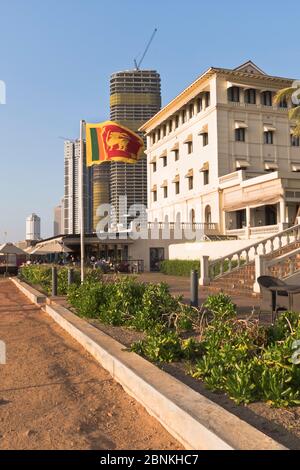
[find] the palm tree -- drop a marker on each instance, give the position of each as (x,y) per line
(286,94)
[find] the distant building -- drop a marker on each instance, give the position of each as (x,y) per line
(58,222)
(135,96)
(33,228)
(71,193)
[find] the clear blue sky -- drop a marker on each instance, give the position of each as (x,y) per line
(56,57)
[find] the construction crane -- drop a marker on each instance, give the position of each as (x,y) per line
(138,64)
(66,138)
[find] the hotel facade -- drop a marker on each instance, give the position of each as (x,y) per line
(222,155)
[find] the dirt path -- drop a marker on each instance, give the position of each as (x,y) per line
(53,395)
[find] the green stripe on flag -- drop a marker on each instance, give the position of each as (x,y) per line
(95,146)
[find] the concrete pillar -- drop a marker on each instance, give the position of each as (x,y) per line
(283,216)
(70,276)
(54,281)
(204,271)
(194,289)
(260,270)
(282,211)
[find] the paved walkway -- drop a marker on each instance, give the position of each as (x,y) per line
(55,396)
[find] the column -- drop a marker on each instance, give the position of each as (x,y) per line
(204,271)
(283,222)
(260,270)
(248,222)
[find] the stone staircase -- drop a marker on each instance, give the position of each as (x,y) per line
(235,274)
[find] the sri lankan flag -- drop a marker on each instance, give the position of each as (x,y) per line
(110,141)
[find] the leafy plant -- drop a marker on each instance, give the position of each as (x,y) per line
(166,346)
(178,267)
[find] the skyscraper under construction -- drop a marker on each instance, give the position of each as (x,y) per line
(135,96)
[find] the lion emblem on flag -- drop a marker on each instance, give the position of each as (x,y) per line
(118,141)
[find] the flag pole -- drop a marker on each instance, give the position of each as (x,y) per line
(81,194)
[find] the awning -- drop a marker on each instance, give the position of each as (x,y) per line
(164,154)
(269,128)
(154,188)
(48,248)
(261,194)
(175,147)
(240,125)
(165,184)
(190,173)
(205,166)
(204,130)
(188,139)
(271,166)
(242,163)
(176,179)
(153,160)
(295,167)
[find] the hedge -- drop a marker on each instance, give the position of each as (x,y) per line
(179,267)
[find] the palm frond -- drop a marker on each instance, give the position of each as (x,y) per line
(294,113)
(296,130)
(284,94)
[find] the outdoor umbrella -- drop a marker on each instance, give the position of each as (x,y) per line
(10,249)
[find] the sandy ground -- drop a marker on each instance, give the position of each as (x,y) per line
(53,395)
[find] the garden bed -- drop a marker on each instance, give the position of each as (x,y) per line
(282,424)
(213,352)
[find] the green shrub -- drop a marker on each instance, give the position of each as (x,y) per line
(221,306)
(178,267)
(41,276)
(163,345)
(87,298)
(288,323)
(130,303)
(247,361)
(160,346)
(123,300)
(183,268)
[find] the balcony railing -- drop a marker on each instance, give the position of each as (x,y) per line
(208,228)
(264,247)
(261,230)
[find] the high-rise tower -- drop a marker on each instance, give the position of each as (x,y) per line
(71,196)
(135,96)
(33,228)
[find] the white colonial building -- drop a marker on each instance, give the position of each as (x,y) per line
(222,154)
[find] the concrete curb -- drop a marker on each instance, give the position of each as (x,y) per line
(195,421)
(34,295)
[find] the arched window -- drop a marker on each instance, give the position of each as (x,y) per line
(178,218)
(207,214)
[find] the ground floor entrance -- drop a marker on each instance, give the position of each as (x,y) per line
(157,255)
